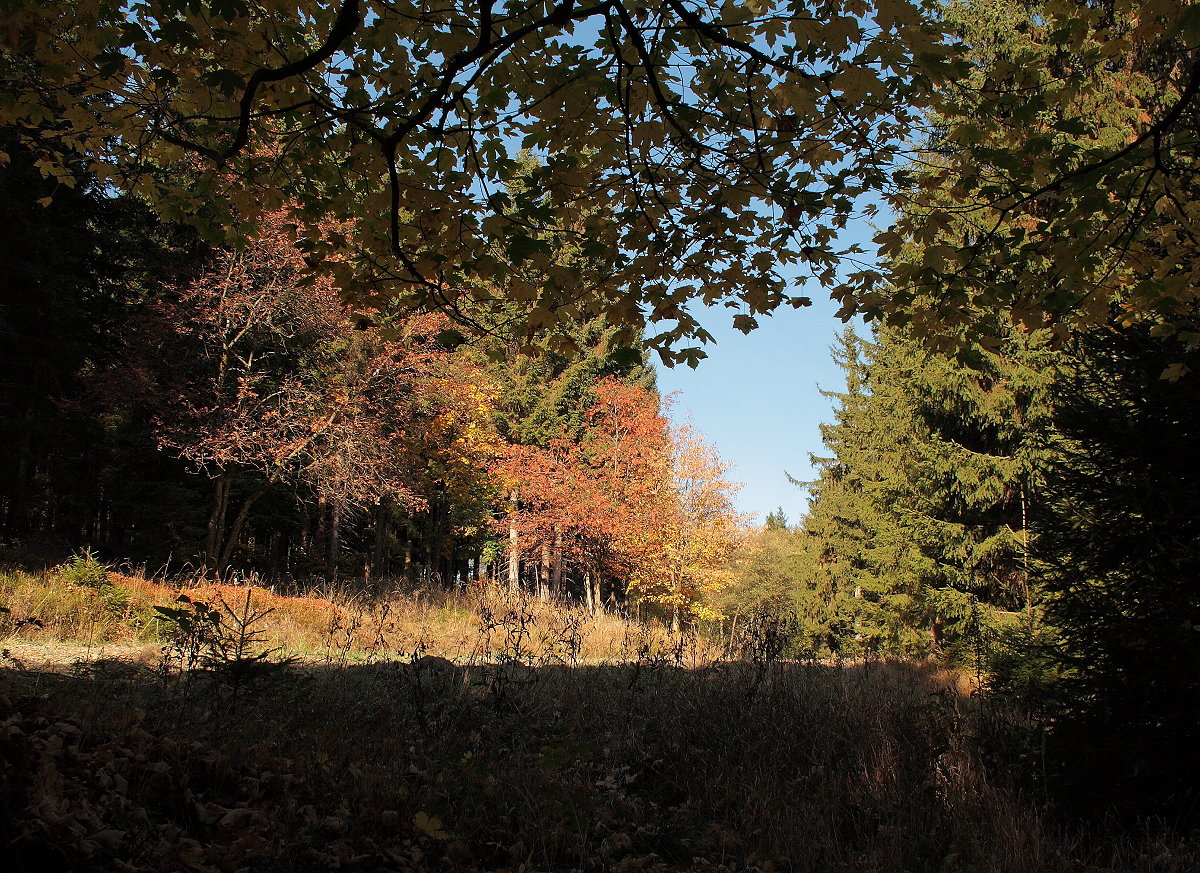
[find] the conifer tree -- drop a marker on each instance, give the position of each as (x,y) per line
(970,473)
(1120,557)
(858,593)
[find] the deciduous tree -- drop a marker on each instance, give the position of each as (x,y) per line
(693,148)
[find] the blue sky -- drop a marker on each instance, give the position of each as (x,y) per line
(756,399)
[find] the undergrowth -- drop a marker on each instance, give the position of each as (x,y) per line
(513,749)
(83,602)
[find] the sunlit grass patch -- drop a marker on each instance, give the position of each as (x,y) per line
(89,604)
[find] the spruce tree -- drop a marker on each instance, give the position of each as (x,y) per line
(1120,558)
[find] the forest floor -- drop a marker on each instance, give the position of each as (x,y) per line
(531,755)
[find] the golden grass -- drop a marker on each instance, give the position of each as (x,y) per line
(342,625)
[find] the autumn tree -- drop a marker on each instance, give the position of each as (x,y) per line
(690,540)
(279,388)
(712,181)
(638,510)
(584,497)
(769,571)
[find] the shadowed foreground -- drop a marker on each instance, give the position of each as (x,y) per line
(425,765)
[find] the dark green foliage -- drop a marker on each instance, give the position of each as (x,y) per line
(1121,558)
(544,397)
(73,270)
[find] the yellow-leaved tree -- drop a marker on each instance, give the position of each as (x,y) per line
(688,549)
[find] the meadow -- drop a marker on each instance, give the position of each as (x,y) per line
(485,730)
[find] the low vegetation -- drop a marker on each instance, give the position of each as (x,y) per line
(85,605)
(491,731)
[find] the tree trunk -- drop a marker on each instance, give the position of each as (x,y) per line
(376,567)
(236,531)
(408,553)
(514,552)
(17,522)
(335,533)
(1025,582)
(430,535)
(450,563)
(319,545)
(273,555)
(215,539)
(588,600)
(544,572)
(557,579)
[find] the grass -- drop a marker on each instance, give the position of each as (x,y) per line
(559,743)
(120,610)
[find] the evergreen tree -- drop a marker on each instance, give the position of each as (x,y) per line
(776,520)
(970,474)
(859,593)
(1120,557)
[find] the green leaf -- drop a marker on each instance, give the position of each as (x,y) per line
(521,247)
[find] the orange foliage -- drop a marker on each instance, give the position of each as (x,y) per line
(632,499)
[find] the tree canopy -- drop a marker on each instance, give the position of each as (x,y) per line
(691,150)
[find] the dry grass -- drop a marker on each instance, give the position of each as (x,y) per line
(641,765)
(341,625)
(560,743)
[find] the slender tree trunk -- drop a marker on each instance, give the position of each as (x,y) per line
(235,532)
(19,499)
(514,551)
(431,531)
(376,567)
(615,596)
(544,572)
(408,553)
(215,539)
(588,600)
(1025,560)
(318,542)
(557,579)
(335,532)
(273,555)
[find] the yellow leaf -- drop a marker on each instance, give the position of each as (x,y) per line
(1175,372)
(430,826)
